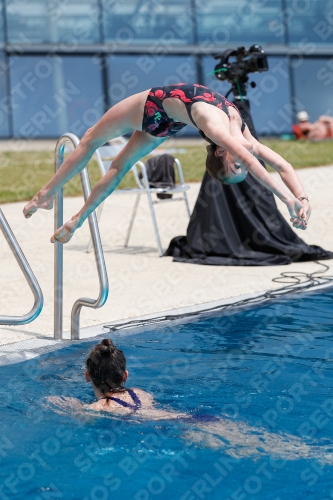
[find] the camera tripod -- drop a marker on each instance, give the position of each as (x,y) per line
(239,91)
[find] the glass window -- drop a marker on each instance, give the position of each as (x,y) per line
(313,81)
(239,21)
(5,109)
(54,95)
(50,21)
(163,23)
(131,74)
(2,24)
(270,100)
(309,21)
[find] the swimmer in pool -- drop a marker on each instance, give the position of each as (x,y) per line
(156,114)
(106,372)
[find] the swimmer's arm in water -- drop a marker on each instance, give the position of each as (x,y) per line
(148,411)
(65,401)
(285,170)
(63,405)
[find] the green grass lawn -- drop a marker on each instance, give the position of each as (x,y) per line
(22,174)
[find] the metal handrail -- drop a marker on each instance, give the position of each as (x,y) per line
(28,274)
(58,252)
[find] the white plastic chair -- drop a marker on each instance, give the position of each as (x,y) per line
(105,153)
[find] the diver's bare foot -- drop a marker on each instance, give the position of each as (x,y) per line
(65,232)
(37,202)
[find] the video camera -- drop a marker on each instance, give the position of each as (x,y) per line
(253,60)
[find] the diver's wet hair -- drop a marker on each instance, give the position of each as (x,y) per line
(106,366)
(216,165)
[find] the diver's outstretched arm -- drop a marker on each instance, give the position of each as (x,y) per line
(284,169)
(234,147)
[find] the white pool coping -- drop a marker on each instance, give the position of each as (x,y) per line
(18,352)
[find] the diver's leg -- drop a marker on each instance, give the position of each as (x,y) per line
(119,120)
(138,146)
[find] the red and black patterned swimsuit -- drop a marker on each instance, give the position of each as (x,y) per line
(156,121)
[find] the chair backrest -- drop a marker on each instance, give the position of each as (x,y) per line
(108,151)
(112,148)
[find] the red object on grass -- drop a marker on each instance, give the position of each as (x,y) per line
(297,131)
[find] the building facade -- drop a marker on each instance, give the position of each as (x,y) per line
(63,63)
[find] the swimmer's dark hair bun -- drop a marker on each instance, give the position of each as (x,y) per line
(108,347)
(106,366)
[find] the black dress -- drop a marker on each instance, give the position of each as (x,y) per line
(240,225)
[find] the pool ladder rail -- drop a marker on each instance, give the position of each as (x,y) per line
(28,274)
(58,252)
(58,260)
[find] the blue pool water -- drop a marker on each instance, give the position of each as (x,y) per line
(267,372)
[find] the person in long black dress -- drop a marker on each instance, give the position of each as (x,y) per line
(230,226)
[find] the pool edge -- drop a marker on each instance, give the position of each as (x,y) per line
(24,350)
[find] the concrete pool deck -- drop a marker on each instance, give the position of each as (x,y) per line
(140,281)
